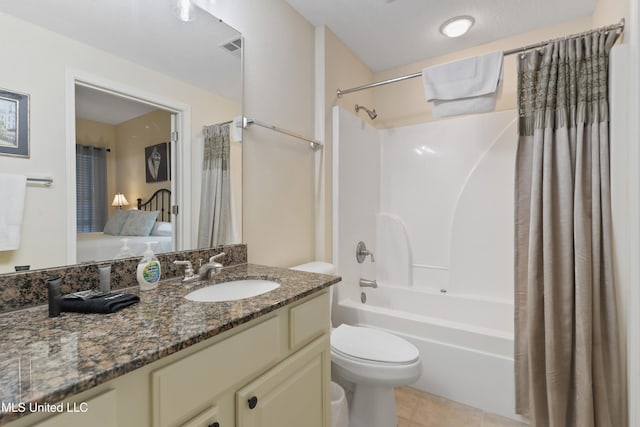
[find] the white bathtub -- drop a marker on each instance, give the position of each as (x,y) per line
(465,343)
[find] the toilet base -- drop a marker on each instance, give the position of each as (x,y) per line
(373,406)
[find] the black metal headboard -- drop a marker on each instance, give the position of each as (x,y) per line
(159,201)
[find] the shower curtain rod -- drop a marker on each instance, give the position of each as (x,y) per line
(619,26)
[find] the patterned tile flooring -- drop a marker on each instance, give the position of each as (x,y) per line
(420,409)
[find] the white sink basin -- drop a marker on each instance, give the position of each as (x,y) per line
(230,291)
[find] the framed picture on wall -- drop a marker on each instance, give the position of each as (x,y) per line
(156,162)
(14,124)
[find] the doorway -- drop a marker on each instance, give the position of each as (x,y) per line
(132,125)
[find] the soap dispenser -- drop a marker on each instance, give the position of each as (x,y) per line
(125,251)
(148,272)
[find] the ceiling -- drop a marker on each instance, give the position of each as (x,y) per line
(386,34)
(146,32)
(99,106)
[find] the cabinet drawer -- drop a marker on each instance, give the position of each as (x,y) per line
(309,320)
(183,388)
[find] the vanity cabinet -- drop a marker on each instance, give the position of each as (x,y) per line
(274,374)
(271,371)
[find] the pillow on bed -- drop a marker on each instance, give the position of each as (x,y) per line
(161,228)
(139,223)
(116,222)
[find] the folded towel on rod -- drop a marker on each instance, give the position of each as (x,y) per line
(12,194)
(464,87)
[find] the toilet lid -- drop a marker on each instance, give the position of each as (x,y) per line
(372,344)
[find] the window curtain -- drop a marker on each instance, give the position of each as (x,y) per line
(91,188)
(216,225)
(567,356)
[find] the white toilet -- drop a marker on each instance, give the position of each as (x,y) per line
(373,362)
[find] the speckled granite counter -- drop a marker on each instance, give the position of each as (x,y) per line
(46,359)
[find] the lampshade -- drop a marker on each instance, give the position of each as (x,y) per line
(119,200)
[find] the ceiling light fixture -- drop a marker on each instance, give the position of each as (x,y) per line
(455,27)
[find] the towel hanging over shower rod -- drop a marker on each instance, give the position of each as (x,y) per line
(615,27)
(313,143)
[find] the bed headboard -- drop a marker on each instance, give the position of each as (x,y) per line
(159,201)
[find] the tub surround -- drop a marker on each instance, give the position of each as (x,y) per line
(75,352)
(29,288)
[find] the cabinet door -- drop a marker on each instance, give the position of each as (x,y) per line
(293,394)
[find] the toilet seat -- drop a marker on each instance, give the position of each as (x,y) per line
(372,346)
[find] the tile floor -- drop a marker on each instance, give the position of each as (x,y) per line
(419,409)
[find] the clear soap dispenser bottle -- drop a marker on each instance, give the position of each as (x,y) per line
(148,272)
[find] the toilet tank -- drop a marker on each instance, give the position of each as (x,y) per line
(316,267)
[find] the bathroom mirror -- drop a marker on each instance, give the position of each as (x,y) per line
(132,76)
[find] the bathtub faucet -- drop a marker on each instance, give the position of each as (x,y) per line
(365,283)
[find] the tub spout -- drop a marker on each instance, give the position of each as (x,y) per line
(365,283)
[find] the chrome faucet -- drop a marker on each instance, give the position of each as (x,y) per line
(188,270)
(362,252)
(366,283)
(210,268)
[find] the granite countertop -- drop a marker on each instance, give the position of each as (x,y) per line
(46,360)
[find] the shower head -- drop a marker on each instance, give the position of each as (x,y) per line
(372,113)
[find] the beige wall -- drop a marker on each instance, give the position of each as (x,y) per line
(41,73)
(609,12)
(132,137)
(279,208)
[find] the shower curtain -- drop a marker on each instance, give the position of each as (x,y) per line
(567,358)
(216,225)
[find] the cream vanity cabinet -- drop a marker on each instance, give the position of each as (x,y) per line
(273,371)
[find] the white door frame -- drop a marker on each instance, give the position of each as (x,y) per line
(181,152)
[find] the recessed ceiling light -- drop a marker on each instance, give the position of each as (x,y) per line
(455,27)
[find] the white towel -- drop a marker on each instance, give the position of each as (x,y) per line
(464,87)
(12,192)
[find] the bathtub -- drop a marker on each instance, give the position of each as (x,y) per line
(465,343)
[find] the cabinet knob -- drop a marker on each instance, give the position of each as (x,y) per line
(253,402)
(216,424)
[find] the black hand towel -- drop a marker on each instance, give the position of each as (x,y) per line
(105,304)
